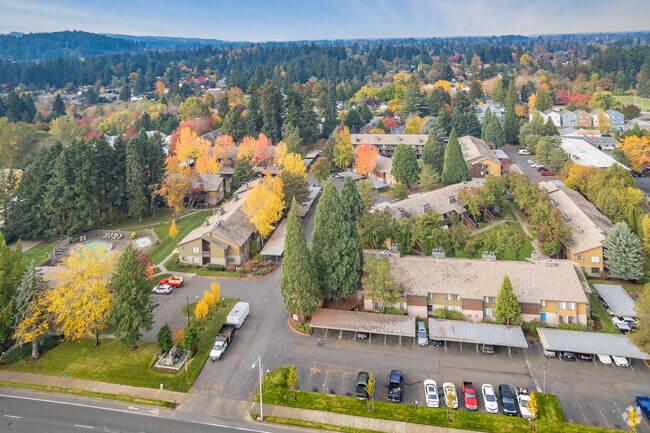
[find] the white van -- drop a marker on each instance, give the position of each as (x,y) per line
(238,314)
(423,335)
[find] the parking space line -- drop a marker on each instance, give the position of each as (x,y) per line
(581,411)
(327,374)
(601,413)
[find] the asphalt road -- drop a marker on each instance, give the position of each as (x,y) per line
(521,161)
(29,412)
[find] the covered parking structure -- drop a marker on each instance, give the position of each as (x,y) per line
(616,299)
(589,342)
(477,333)
(274,248)
(359,321)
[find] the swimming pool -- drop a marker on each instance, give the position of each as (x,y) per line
(94,245)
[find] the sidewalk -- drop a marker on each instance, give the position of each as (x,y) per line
(524,226)
(91,385)
(358,422)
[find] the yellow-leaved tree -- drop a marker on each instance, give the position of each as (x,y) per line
(173,190)
(173,231)
(201,310)
(209,299)
(280,153)
(293,163)
(637,151)
(81,299)
(215,289)
(264,204)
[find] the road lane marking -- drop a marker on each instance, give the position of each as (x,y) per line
(84,426)
(110,409)
(14,416)
(581,411)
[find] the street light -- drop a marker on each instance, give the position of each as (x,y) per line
(259,363)
(188,310)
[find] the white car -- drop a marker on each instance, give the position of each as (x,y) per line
(523,151)
(523,397)
(549,353)
(535,165)
(622,319)
(450,392)
(431,393)
(605,359)
(490,399)
(621,361)
(162,289)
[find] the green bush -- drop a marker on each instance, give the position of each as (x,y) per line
(449,314)
(25,351)
(394,311)
(261,272)
(191,339)
(531,328)
(575,327)
(215,267)
(255,248)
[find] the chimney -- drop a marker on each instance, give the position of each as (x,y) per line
(489,256)
(550,263)
(438,253)
(452,199)
(579,230)
(425,207)
(534,255)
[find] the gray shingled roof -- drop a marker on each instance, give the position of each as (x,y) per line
(475,149)
(479,333)
(589,342)
(617,299)
(358,321)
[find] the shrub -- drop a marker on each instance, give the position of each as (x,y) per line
(261,272)
(531,328)
(215,267)
(394,311)
(449,314)
(255,248)
(191,339)
(165,339)
(575,327)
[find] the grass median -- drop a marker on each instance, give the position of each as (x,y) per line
(551,417)
(112,363)
(172,266)
(37,253)
(166,244)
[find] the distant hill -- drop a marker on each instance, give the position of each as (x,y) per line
(175,43)
(20,47)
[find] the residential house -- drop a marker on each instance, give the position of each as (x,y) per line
(584,119)
(616,120)
(568,118)
(583,153)
(496,108)
(386,143)
(588,227)
(209,189)
(605,144)
(552,291)
(594,118)
(532,114)
(480,159)
(554,116)
(382,171)
(224,238)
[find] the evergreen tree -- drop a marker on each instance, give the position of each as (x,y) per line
(11,269)
(243,173)
(431,123)
(328,112)
(155,162)
(291,137)
(139,86)
(84,208)
(511,95)
(475,90)
(272,112)
(414,100)
(473,124)
(253,111)
(14,107)
(125,93)
(380,125)
(508,311)
(454,169)
(499,93)
(353,121)
(294,186)
(486,122)
(511,125)
(335,253)
(433,154)
(234,125)
(164,338)
(445,72)
(224,107)
(132,310)
(437,100)
(459,121)
(405,164)
(30,108)
(543,100)
(364,113)
(58,107)
(623,253)
(299,284)
(429,178)
(351,200)
(445,121)
(30,318)
(550,128)
(493,131)
(136,185)
(149,78)
(191,339)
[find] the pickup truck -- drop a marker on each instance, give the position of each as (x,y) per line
(644,404)
(469,394)
(221,341)
(395,386)
(173,281)
(361,393)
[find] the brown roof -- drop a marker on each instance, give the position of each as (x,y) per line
(475,150)
(359,321)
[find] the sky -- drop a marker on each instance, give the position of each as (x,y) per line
(283,20)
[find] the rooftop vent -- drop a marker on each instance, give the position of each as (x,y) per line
(579,230)
(452,199)
(554,203)
(534,255)
(401,213)
(425,207)
(489,256)
(566,217)
(438,253)
(221,211)
(550,263)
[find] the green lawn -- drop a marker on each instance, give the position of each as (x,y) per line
(507,212)
(598,312)
(163,216)
(172,263)
(629,99)
(629,287)
(166,245)
(508,253)
(112,363)
(37,253)
(550,412)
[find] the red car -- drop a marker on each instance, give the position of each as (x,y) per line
(546,173)
(173,281)
(469,393)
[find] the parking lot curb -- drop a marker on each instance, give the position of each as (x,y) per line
(294,329)
(243,278)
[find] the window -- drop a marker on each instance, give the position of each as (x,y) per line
(486,299)
(563,319)
(452,308)
(184,247)
(195,250)
(377,306)
(487,173)
(183,258)
(580,257)
(481,173)
(571,306)
(542,303)
(196,260)
(561,305)
(595,259)
(488,312)
(430,308)
(595,270)
(571,319)
(430,295)
(402,305)
(493,300)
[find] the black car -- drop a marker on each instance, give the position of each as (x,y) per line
(585,356)
(542,168)
(395,386)
(361,392)
(437,343)
(569,356)
(507,400)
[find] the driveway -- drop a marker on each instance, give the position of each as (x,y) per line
(521,161)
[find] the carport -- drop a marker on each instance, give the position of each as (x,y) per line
(589,342)
(274,248)
(477,333)
(616,299)
(359,321)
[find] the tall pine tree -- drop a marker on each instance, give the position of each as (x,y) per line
(454,169)
(432,153)
(511,124)
(253,111)
(30,320)
(272,111)
(136,185)
(405,164)
(351,200)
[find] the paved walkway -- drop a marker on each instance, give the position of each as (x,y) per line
(91,385)
(358,422)
(489,226)
(524,226)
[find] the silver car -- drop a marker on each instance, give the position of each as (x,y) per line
(490,399)
(162,289)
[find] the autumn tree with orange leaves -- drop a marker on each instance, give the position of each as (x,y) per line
(263,153)
(264,204)
(637,151)
(366,158)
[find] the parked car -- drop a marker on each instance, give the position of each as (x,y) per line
(449,391)
(535,165)
(523,397)
(437,343)
(162,289)
(423,335)
(585,356)
(507,400)
(605,359)
(490,399)
(547,173)
(569,356)
(361,392)
(431,393)
(623,319)
(175,281)
(621,361)
(218,348)
(469,395)
(523,151)
(487,348)
(362,335)
(542,168)
(549,353)
(624,327)
(532,161)
(395,386)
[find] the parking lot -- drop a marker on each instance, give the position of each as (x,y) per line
(521,161)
